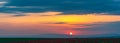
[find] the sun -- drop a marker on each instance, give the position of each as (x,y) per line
(71,33)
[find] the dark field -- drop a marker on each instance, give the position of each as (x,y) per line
(59,40)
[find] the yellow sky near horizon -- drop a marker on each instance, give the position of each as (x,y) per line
(52,22)
(53,18)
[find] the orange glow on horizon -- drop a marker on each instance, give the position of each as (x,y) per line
(69,19)
(51,23)
(71,33)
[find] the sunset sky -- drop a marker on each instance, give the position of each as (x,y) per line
(59,18)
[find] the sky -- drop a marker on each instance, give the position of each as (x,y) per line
(59,18)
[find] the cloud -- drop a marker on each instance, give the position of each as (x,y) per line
(105,29)
(46,13)
(27,7)
(85,17)
(56,17)
(11,7)
(34,24)
(16,14)
(2,3)
(57,23)
(78,6)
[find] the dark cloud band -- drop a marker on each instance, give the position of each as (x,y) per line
(67,6)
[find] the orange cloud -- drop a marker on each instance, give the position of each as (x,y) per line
(34,23)
(45,13)
(70,19)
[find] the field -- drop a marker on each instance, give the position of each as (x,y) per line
(59,40)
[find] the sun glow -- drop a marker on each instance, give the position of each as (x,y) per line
(71,33)
(69,19)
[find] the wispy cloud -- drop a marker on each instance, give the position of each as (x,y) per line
(46,13)
(70,6)
(28,7)
(35,23)
(2,3)
(56,17)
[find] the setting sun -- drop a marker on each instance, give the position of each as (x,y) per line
(71,33)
